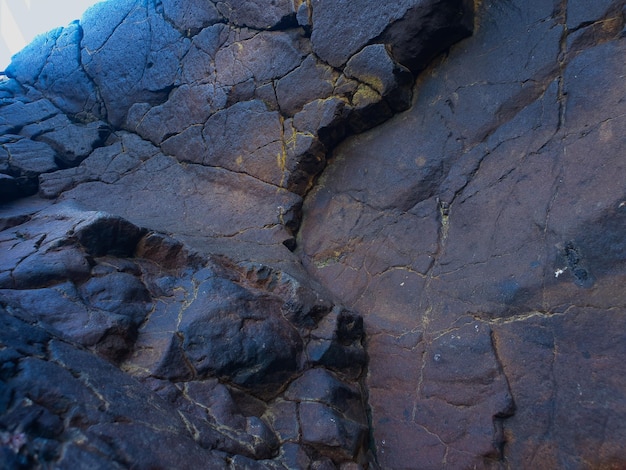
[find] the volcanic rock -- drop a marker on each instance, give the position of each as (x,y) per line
(476,234)
(321,234)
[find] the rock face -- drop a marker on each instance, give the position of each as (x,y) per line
(321,234)
(481,236)
(116,339)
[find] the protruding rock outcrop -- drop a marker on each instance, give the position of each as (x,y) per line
(211,356)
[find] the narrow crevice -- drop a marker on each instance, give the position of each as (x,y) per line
(561,18)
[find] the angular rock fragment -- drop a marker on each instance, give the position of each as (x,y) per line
(327,430)
(337,343)
(331,413)
(311,81)
(29,158)
(256,349)
(73,143)
(374,67)
(246,138)
(23,161)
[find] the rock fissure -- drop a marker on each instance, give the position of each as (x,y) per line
(562,96)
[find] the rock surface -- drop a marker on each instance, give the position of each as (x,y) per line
(480,235)
(315,234)
(147,344)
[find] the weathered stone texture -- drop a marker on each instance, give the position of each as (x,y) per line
(476,234)
(210,343)
(315,234)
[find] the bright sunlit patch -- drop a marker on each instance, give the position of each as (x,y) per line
(22,20)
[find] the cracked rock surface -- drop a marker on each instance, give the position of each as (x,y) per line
(315,234)
(480,234)
(116,340)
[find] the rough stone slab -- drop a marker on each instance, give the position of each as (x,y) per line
(338,31)
(247,138)
(263,57)
(73,143)
(18,114)
(312,80)
(30,159)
